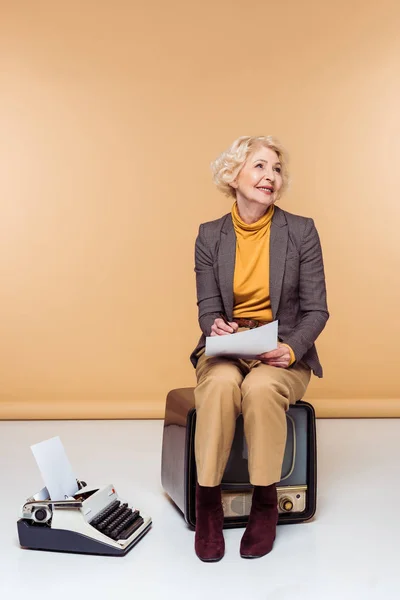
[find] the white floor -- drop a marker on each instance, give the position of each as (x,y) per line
(350,551)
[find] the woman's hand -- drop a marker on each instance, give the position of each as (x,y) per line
(219,327)
(276,358)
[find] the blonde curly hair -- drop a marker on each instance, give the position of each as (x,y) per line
(229,163)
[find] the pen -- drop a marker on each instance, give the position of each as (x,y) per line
(225,320)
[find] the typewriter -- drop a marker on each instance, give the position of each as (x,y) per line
(95,520)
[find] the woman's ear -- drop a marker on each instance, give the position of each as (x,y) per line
(234,184)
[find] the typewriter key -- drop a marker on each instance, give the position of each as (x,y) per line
(135,525)
(105,513)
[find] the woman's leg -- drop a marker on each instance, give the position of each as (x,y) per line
(218,399)
(267,392)
(218,404)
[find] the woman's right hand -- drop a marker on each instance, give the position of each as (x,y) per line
(219,327)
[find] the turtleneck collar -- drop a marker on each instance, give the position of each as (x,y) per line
(260,224)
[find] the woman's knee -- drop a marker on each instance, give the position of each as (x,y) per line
(267,394)
(217,389)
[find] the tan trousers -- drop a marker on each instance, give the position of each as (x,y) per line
(227,387)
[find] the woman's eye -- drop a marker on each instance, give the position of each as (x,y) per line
(259,165)
(278,169)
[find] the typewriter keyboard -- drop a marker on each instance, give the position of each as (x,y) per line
(117,521)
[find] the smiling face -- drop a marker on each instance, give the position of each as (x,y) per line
(259,182)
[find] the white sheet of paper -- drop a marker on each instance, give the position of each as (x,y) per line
(245,344)
(55,468)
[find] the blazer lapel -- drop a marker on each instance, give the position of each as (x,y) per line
(226,264)
(277,256)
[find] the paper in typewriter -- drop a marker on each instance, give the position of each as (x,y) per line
(245,344)
(55,468)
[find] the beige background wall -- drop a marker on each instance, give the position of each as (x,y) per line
(110,114)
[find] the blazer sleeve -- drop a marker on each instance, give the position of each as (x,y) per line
(209,299)
(312,294)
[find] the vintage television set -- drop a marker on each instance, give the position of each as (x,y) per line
(296,490)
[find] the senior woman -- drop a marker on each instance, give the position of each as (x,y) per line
(256,264)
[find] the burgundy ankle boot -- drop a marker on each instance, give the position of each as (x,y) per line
(259,536)
(209,541)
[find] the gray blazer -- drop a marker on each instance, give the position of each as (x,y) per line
(296,284)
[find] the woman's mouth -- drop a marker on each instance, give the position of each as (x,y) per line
(266,190)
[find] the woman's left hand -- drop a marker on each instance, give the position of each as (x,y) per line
(276,358)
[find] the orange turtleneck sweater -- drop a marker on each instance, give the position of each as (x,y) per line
(251,276)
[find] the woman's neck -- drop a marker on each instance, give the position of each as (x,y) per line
(251,212)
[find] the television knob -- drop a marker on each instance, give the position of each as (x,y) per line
(286,504)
